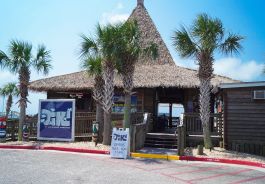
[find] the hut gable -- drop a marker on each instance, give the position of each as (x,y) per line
(150,34)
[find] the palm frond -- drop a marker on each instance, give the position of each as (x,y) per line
(151,50)
(93,65)
(232,44)
(208,31)
(4,60)
(42,61)
(9,89)
(88,46)
(183,43)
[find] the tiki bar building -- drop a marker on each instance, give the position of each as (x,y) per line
(157,83)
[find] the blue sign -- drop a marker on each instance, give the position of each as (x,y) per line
(56,120)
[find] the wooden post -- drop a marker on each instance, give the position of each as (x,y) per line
(200,150)
(133,141)
(181,139)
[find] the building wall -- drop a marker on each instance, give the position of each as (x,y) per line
(244,119)
(83,104)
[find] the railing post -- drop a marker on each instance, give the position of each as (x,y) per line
(133,138)
(181,141)
(181,136)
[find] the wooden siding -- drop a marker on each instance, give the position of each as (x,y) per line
(245,121)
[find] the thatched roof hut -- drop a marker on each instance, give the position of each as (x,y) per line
(149,73)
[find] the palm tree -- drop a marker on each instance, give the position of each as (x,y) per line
(9,90)
(205,36)
(20,60)
(127,56)
(93,66)
(104,46)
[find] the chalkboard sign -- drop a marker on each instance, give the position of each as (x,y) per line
(120,143)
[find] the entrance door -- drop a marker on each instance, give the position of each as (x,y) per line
(168,115)
(177,109)
(163,116)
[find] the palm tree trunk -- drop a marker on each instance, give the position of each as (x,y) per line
(24,76)
(8,105)
(108,76)
(107,129)
(205,111)
(100,119)
(127,111)
(127,79)
(22,118)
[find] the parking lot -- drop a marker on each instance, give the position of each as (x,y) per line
(25,166)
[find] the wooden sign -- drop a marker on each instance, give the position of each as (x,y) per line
(120,143)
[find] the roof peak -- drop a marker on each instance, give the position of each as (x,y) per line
(140,2)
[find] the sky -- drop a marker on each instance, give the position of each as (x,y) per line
(58,24)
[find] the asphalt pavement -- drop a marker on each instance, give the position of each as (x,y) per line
(45,167)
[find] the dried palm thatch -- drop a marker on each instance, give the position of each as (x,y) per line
(146,76)
(150,34)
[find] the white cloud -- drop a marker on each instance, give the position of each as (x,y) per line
(113,18)
(237,69)
(231,67)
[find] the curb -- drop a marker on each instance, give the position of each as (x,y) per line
(16,147)
(223,160)
(76,150)
(55,148)
(202,159)
(155,156)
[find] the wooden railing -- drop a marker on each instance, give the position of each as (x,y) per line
(193,124)
(83,124)
(139,129)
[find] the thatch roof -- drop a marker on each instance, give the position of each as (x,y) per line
(150,34)
(161,72)
(147,76)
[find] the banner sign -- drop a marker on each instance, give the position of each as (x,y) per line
(56,120)
(118,103)
(2,127)
(120,143)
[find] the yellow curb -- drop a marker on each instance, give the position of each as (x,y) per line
(173,157)
(145,155)
(155,156)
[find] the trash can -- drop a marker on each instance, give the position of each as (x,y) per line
(25,132)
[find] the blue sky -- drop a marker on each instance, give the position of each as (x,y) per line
(58,24)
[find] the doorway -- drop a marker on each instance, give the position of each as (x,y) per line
(168,115)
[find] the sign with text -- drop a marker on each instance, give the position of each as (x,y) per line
(2,127)
(120,143)
(56,120)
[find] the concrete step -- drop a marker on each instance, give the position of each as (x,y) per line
(161,142)
(169,146)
